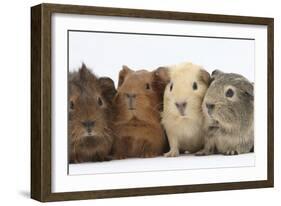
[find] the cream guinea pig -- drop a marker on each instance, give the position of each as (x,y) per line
(182,115)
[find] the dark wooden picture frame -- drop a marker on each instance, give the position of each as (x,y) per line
(41,101)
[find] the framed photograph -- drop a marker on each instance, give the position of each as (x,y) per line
(130,102)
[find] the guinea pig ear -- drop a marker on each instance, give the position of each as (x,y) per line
(162,74)
(108,90)
(123,73)
(161,78)
(215,73)
(205,77)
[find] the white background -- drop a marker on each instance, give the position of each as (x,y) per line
(105,53)
(15,103)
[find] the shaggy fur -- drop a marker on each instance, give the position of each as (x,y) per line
(182,116)
(90,135)
(229,107)
(137,118)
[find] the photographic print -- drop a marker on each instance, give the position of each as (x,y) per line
(153,96)
(130,102)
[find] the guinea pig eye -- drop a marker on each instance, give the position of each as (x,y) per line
(229,93)
(194,86)
(100,101)
(71,105)
(171,87)
(147,86)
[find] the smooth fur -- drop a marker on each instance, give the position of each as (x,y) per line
(182,116)
(137,126)
(230,125)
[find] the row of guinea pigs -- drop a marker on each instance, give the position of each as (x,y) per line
(168,111)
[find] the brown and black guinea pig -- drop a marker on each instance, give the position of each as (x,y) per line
(90,103)
(137,127)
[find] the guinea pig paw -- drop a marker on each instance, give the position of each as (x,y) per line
(172,153)
(108,158)
(201,153)
(231,152)
(118,157)
(149,155)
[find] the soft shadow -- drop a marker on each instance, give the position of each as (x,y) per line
(24,193)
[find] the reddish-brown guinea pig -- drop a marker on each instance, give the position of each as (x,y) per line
(90,103)
(137,104)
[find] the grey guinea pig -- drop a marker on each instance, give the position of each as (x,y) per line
(229,110)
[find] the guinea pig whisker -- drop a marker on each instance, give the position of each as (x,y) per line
(219,103)
(74,132)
(168,110)
(157,106)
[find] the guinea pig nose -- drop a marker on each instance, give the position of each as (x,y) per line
(181,105)
(88,124)
(210,106)
(130,95)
